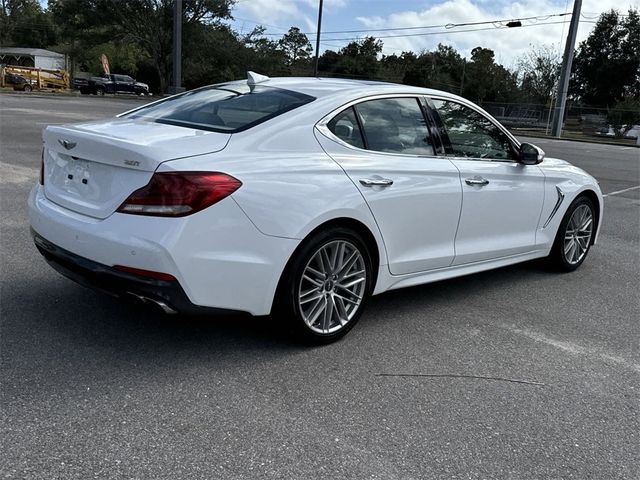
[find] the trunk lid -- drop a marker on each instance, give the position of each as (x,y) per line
(92,168)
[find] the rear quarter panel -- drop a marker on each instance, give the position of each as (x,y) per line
(290,186)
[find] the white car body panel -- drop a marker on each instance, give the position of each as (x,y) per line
(111,159)
(412,242)
(294,179)
(498,219)
(220,259)
(573,181)
(317,190)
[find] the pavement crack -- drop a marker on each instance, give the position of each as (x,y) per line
(452,375)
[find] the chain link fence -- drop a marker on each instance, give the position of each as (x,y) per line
(581,121)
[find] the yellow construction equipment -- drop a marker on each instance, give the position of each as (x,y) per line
(34,78)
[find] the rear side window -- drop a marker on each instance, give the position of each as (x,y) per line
(395,125)
(223,109)
(346,128)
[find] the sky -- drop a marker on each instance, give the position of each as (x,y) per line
(509,44)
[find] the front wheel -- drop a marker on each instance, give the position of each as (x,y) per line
(327,285)
(100,92)
(574,236)
(27,88)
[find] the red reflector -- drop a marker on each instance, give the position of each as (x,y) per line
(176,194)
(146,273)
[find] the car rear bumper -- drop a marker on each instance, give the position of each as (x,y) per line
(219,259)
(167,295)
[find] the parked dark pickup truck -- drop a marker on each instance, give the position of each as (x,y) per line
(110,83)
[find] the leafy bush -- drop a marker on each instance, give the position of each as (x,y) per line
(624,115)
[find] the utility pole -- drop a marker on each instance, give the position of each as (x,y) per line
(565,73)
(315,68)
(177,48)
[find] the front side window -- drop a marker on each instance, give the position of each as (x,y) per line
(468,133)
(226,109)
(395,125)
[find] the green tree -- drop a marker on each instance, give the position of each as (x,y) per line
(486,80)
(607,66)
(394,67)
(296,46)
(357,59)
(145,24)
(441,69)
(24,23)
(539,69)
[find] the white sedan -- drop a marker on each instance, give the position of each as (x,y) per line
(301,196)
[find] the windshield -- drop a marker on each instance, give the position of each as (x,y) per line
(228,109)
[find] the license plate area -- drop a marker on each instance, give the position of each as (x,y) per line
(89,187)
(78,174)
(78,177)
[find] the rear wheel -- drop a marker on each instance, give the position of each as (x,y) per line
(326,285)
(574,236)
(100,91)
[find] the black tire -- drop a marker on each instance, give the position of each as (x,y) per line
(27,88)
(561,260)
(100,91)
(293,285)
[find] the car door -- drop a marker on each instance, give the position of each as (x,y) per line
(122,83)
(385,146)
(502,198)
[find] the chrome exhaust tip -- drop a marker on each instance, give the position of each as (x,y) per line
(158,303)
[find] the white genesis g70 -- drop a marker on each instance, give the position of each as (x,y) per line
(302,197)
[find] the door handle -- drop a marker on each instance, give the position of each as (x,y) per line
(476,181)
(376,182)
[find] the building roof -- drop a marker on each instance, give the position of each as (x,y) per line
(34,52)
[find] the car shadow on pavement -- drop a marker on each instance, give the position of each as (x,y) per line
(455,292)
(61,333)
(103,319)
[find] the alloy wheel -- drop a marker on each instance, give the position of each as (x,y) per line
(577,237)
(332,286)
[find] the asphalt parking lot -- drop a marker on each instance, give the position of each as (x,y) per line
(520,373)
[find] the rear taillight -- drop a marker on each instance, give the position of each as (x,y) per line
(176,194)
(42,168)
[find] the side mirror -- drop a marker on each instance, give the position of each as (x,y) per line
(530,154)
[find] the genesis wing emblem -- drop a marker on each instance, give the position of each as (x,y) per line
(67,144)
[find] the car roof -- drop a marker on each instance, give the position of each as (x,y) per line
(320,87)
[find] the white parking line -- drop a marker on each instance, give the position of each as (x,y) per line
(621,191)
(16,174)
(571,347)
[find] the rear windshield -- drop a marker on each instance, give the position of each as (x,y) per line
(221,108)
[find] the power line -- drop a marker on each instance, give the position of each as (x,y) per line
(444,25)
(447,32)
